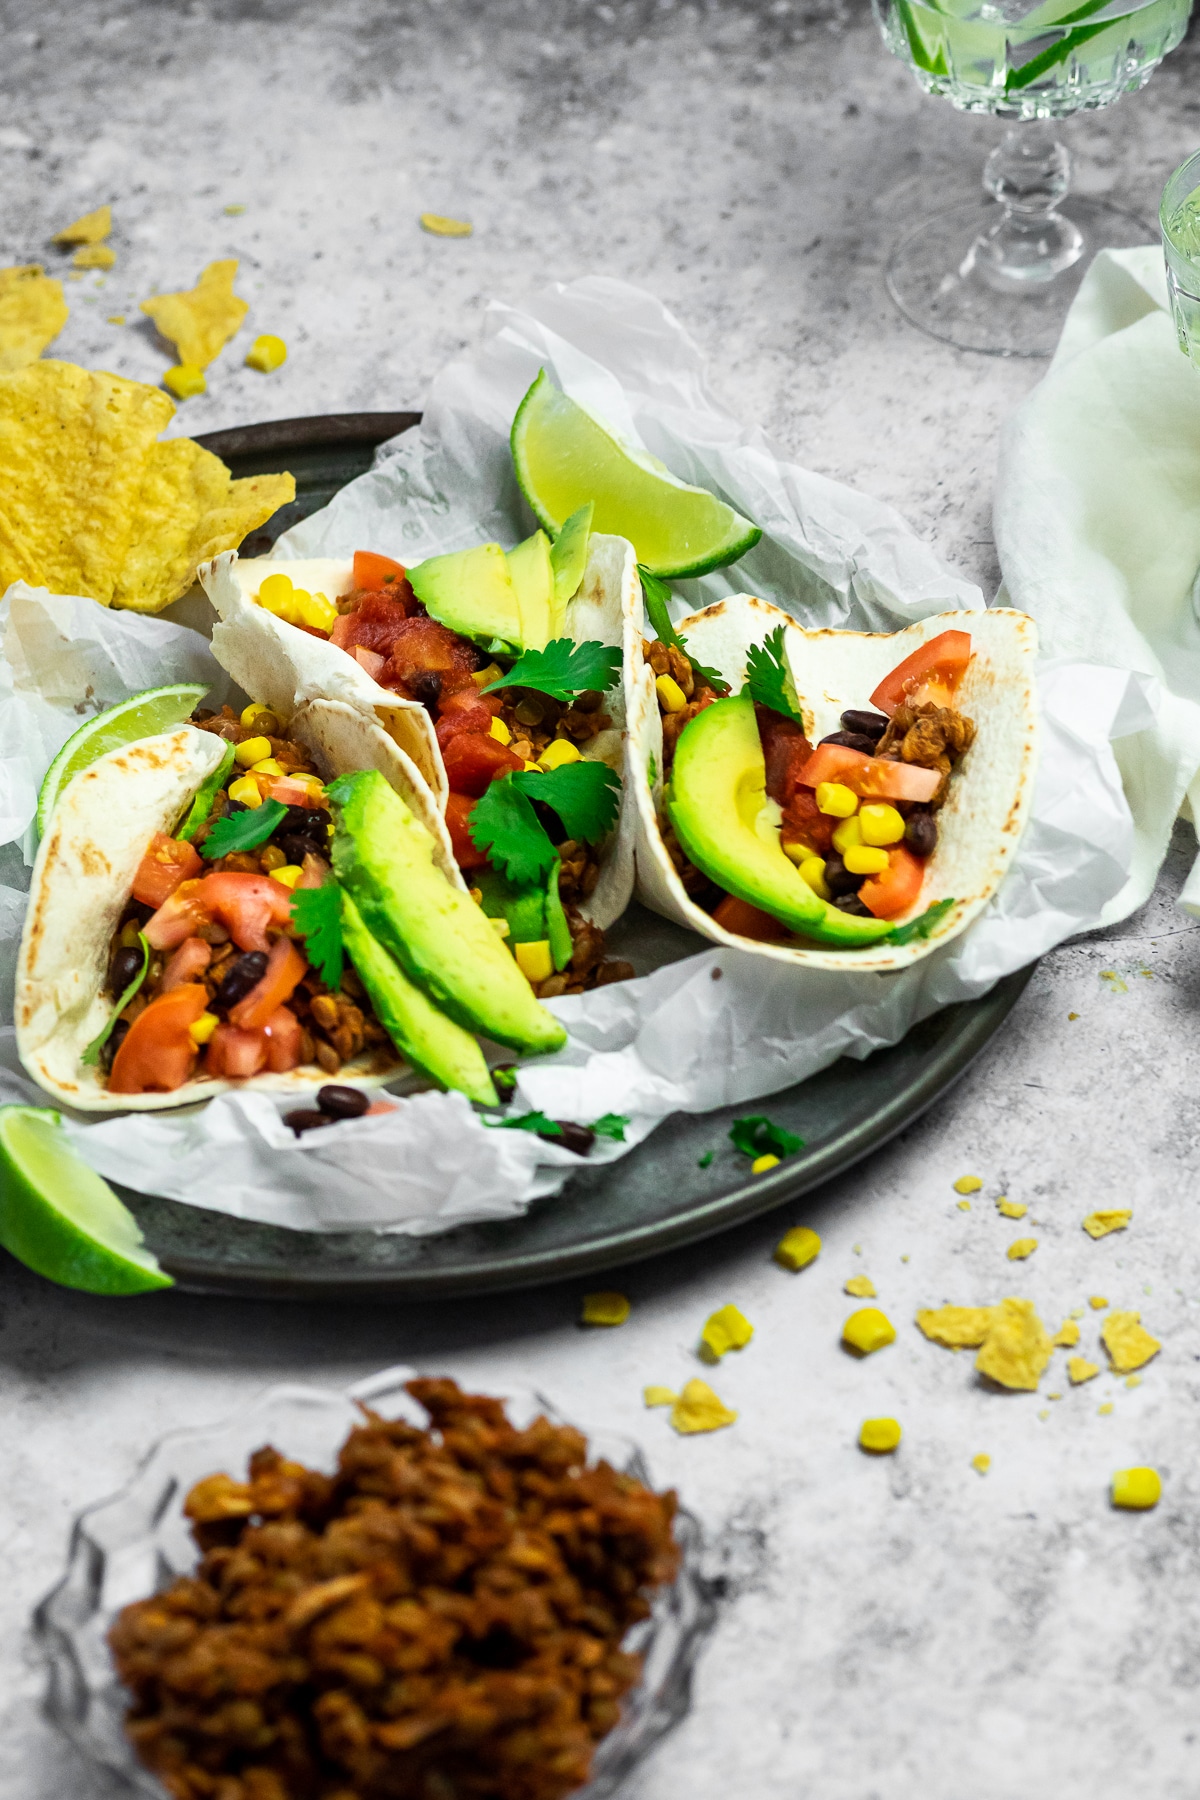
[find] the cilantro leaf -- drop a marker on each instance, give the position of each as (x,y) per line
(770,680)
(243,830)
(585,795)
(91,1056)
(611,1125)
(756,1136)
(503,824)
(705,1161)
(656,593)
(530,1121)
(317,916)
(564,669)
(922,926)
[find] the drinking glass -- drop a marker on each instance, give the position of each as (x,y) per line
(1179,217)
(1000,282)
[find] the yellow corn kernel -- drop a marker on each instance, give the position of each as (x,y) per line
(501,927)
(266,353)
(838,801)
(534,960)
(604,1309)
(967,1184)
(559,753)
(1020,1248)
(536,768)
(981,1463)
(880,1436)
(499,730)
(276,593)
(251,751)
(289,874)
(797,1248)
(812,870)
(867,1330)
(246,790)
(268,767)
(864,859)
(1097,1302)
(315,611)
(484,677)
(761,1164)
(250,714)
(671,696)
(201,1029)
(726,1329)
(881,824)
(185,381)
(1136,1490)
(847,836)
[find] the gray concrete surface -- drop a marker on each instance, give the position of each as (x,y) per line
(894,1628)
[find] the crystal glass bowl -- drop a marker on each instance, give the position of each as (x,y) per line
(138,1541)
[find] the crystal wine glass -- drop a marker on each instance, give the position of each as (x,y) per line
(999,282)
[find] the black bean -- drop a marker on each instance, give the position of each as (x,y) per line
(296,848)
(853,740)
(838,878)
(125,965)
(234,806)
(243,973)
(116,1038)
(921,834)
(425,686)
(306,1119)
(307,821)
(578,1138)
(871,724)
(343,1102)
(850,903)
(505,1078)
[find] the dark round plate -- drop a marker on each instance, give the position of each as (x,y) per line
(656,1198)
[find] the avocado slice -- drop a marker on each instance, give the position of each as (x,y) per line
(715,802)
(206,793)
(432,1043)
(534,914)
(384,856)
(568,556)
(557,929)
(533,578)
(471,592)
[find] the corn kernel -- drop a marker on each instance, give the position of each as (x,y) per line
(881,824)
(251,751)
(981,1463)
(868,1330)
(499,730)
(726,1329)
(246,790)
(797,1248)
(1020,1248)
(880,1436)
(1136,1490)
(185,381)
(254,711)
(604,1309)
(266,353)
(847,835)
(534,960)
(812,870)
(201,1029)
(484,677)
(275,594)
(671,696)
(559,753)
(967,1184)
(865,859)
(839,801)
(267,765)
(315,611)
(536,768)
(289,874)
(761,1164)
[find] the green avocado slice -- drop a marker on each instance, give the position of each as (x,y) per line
(383,855)
(471,592)
(432,1043)
(532,576)
(715,802)
(206,793)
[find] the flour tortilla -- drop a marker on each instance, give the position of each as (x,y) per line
(83,877)
(990,793)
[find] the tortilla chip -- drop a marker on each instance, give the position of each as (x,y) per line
(94,256)
(957,1327)
(1017,1347)
(89,230)
(201,321)
(32,313)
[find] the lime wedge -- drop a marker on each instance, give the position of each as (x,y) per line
(60,1218)
(142,715)
(563,459)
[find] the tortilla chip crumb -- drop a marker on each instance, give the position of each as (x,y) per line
(32,313)
(964,1206)
(957,1327)
(1020,1248)
(659,1396)
(1017,1347)
(1045,1413)
(1072,1015)
(1132,1381)
(726,1329)
(797,1248)
(1011,1209)
(1097,1302)
(88,230)
(94,256)
(604,1309)
(1079,1369)
(1077,1312)
(860,1287)
(116,319)
(1099,1224)
(857,1249)
(1067,1335)
(1128,1343)
(880,1436)
(967,1184)
(201,320)
(981,1463)
(1054,1396)
(868,1330)
(1136,1490)
(439,226)
(1105,1409)
(699,1409)
(1115,984)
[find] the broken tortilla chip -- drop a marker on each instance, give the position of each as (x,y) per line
(699,1409)
(32,313)
(1127,1341)
(957,1327)
(94,256)
(200,321)
(1017,1347)
(88,230)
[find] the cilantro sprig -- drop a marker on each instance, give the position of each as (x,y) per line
(243,830)
(91,1056)
(585,795)
(656,593)
(769,680)
(317,916)
(757,1136)
(564,669)
(609,1125)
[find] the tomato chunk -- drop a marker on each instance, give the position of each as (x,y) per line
(285,970)
(282,1031)
(167,862)
(372,571)
(748,921)
(246,905)
(187,964)
(473,717)
(158,1054)
(897,887)
(458,812)
(871,777)
(785,751)
(423,647)
(235,1054)
(179,917)
(931,673)
(472,762)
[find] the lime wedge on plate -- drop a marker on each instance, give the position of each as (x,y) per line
(142,715)
(563,459)
(60,1218)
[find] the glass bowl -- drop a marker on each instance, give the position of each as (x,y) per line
(138,1541)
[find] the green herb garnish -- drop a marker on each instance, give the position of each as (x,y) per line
(243,830)
(530,1121)
(91,1055)
(923,926)
(757,1136)
(564,669)
(611,1125)
(769,680)
(705,1161)
(656,593)
(317,916)
(585,795)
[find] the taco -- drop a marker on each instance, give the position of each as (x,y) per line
(830,799)
(207,910)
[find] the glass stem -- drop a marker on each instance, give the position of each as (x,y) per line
(1028,174)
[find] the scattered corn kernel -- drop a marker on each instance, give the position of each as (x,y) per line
(671,696)
(252,750)
(289,874)
(1097,1302)
(1128,1343)
(859,1287)
(797,1248)
(1011,1209)
(185,381)
(484,677)
(1136,1490)
(834,798)
(438,225)
(967,1184)
(658,1396)
(201,1029)
(1020,1248)
(1017,1347)
(761,1164)
(534,960)
(252,713)
(868,1330)
(266,353)
(879,1436)
(981,1463)
(881,824)
(275,593)
(499,730)
(1067,1335)
(313,610)
(1079,1370)
(726,1329)
(864,859)
(246,790)
(963,1205)
(604,1309)
(847,836)
(558,754)
(1099,1224)
(699,1409)
(268,767)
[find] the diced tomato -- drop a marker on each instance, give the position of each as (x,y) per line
(178,917)
(466,700)
(343,631)
(188,964)
(167,862)
(290,792)
(473,718)
(785,751)
(421,646)
(458,811)
(472,762)
(372,571)
(376,623)
(931,673)
(370,660)
(313,871)
(897,888)
(804,823)
(158,1055)
(283,1041)
(235,1054)
(246,905)
(285,970)
(871,777)
(748,921)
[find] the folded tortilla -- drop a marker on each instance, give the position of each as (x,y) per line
(990,792)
